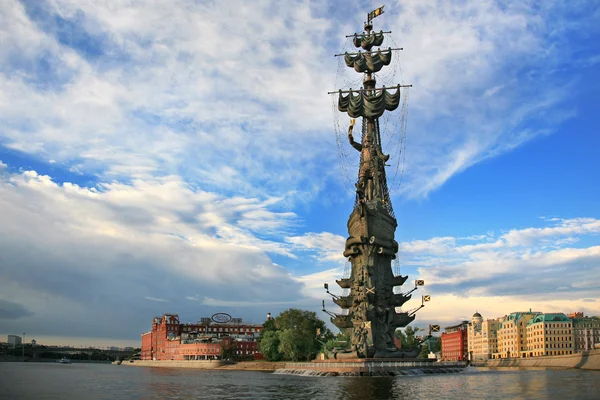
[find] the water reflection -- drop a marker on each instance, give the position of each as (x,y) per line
(369,388)
(129,383)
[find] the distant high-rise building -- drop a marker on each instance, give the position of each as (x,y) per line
(14,340)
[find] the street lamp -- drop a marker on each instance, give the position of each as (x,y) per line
(23,347)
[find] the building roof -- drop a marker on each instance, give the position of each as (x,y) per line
(477,315)
(549,318)
(586,319)
(453,328)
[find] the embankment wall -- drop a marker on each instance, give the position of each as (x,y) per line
(585,360)
(204,364)
(208,364)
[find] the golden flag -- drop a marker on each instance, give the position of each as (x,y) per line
(434,328)
(426,297)
(375,13)
(420,282)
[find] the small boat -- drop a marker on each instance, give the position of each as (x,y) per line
(64,360)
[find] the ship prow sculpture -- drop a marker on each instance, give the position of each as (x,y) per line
(370,307)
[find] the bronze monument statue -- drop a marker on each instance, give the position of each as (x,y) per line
(370,307)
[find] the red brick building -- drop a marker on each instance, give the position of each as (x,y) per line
(205,340)
(455,345)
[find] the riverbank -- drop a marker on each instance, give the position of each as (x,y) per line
(332,368)
(17,359)
(589,360)
(209,364)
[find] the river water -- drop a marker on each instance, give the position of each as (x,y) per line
(46,381)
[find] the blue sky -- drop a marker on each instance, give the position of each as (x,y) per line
(182,157)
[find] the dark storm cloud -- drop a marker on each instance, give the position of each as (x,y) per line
(10,310)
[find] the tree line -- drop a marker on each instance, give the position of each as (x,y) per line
(299,335)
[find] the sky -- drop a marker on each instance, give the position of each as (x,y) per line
(183,157)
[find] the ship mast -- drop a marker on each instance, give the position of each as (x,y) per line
(371,304)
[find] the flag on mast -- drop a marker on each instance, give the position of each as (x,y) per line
(375,13)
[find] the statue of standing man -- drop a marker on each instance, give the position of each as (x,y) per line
(371,160)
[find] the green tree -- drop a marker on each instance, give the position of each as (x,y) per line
(341,341)
(298,336)
(268,326)
(226,353)
(408,337)
(296,345)
(269,345)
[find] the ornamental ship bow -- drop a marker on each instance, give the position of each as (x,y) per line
(369,308)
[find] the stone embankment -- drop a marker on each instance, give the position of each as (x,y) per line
(209,364)
(585,360)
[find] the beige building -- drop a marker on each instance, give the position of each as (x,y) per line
(586,333)
(549,335)
(482,338)
(512,334)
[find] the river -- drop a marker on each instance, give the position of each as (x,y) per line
(47,381)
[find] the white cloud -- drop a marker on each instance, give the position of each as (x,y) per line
(138,91)
(312,284)
(325,246)
(206,125)
(530,260)
(80,251)
(448,309)
(156,299)
(577,226)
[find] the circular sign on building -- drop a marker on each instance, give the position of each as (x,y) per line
(221,318)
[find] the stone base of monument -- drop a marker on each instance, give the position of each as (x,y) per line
(371,367)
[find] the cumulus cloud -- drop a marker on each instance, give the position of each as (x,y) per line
(537,266)
(204,126)
(324,246)
(72,253)
(529,260)
(235,97)
(448,309)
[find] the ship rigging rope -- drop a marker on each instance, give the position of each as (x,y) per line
(392,124)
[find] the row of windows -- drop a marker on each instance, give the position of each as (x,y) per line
(194,351)
(221,329)
(550,339)
(549,332)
